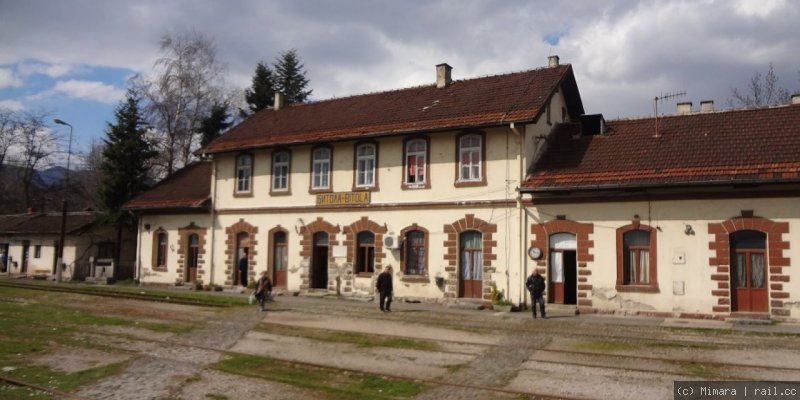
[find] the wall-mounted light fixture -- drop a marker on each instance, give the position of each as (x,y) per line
(688,230)
(147,227)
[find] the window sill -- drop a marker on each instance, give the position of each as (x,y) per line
(160,269)
(280,193)
(242,194)
(460,184)
(652,288)
(364,274)
(415,279)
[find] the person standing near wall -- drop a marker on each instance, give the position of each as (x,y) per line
(243,267)
(535,285)
(385,289)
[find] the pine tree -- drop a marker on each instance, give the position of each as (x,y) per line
(261,94)
(213,125)
(290,77)
(126,159)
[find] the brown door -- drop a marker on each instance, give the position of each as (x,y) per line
(562,275)
(749,272)
(191,258)
(280,258)
(471,265)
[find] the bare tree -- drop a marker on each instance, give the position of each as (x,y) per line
(36,145)
(761,91)
(9,123)
(187,81)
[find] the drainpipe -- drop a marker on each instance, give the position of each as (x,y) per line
(523,261)
(138,253)
(212,222)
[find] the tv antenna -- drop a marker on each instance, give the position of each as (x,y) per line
(664,96)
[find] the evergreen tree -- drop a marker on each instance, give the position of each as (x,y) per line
(290,77)
(213,125)
(126,159)
(261,94)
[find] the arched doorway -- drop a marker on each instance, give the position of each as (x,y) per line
(563,273)
(242,251)
(319,261)
(470,265)
(749,272)
(192,255)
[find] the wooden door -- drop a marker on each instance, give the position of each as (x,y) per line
(280,258)
(471,265)
(748,279)
(191,258)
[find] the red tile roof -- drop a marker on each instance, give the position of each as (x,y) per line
(189,188)
(48,223)
(740,146)
(494,100)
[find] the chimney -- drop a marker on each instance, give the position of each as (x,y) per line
(707,106)
(279,100)
(796,98)
(552,61)
(443,78)
(684,108)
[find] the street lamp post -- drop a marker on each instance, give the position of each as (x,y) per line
(60,262)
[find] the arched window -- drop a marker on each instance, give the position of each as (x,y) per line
(280,171)
(636,258)
(321,168)
(470,157)
(416,162)
(415,254)
(365,252)
(365,165)
(161,248)
(244,173)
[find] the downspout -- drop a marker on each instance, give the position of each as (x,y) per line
(138,277)
(523,266)
(212,222)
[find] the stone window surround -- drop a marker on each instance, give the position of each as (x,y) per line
(651,287)
(350,234)
(411,277)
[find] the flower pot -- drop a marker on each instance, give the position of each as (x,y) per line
(502,308)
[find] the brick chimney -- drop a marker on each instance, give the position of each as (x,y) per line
(707,106)
(552,61)
(684,108)
(279,100)
(443,78)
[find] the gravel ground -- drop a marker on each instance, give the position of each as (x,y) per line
(480,354)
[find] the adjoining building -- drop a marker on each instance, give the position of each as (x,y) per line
(29,246)
(466,186)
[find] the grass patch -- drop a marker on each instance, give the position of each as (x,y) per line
(334,383)
(604,345)
(11,392)
(358,339)
(66,382)
(453,368)
(700,369)
(216,396)
(683,345)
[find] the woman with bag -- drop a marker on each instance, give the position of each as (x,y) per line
(263,290)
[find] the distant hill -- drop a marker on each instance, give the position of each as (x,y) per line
(53,176)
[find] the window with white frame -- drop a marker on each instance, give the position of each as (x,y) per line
(280,171)
(244,173)
(470,148)
(365,165)
(416,159)
(321,168)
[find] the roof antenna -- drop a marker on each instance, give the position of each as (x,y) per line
(661,98)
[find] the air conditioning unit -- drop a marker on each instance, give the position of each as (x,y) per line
(391,242)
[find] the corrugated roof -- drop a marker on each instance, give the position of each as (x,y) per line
(187,188)
(487,101)
(739,146)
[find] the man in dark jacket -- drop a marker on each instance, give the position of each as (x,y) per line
(384,288)
(244,264)
(535,285)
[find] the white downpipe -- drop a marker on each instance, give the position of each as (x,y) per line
(523,234)
(213,223)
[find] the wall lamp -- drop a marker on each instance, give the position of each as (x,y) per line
(688,230)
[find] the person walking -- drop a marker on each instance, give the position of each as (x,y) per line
(384,288)
(263,290)
(536,285)
(243,264)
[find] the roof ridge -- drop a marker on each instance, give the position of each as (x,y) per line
(381,92)
(721,111)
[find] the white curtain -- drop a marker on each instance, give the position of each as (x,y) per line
(757,270)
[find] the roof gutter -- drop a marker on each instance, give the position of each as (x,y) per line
(557,189)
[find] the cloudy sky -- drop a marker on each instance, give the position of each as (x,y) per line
(72,58)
